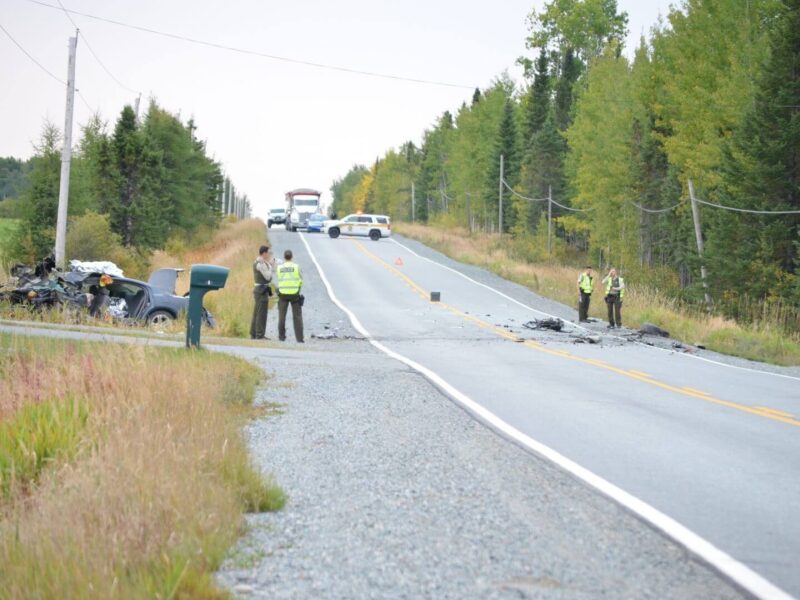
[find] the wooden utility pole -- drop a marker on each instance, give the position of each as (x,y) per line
(469,211)
(66,157)
(500,202)
(698,234)
(549,219)
(413,204)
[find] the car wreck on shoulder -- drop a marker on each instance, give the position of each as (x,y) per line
(121,298)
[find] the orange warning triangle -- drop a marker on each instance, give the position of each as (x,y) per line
(399,262)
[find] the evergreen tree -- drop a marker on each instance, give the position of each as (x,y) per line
(570,72)
(751,253)
(538,99)
(506,145)
(35,238)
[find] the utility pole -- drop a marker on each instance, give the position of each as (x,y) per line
(500,203)
(469,211)
(136,106)
(413,204)
(698,234)
(66,157)
(549,219)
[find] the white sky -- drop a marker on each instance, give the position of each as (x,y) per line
(274,125)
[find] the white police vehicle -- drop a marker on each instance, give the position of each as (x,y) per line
(373,226)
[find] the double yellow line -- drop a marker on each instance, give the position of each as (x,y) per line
(761,411)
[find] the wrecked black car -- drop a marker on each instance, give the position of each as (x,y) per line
(122,298)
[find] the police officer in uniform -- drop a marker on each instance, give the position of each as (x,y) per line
(615,291)
(263,267)
(290,281)
(585,287)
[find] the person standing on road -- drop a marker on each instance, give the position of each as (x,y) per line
(615,290)
(263,268)
(290,281)
(585,287)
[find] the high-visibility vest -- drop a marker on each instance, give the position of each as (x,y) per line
(610,283)
(586,283)
(289,279)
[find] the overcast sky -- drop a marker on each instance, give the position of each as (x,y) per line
(274,125)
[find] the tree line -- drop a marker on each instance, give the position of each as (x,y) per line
(711,95)
(150,179)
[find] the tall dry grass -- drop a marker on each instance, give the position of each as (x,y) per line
(146,497)
(234,245)
(764,339)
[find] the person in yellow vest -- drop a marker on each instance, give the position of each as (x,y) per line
(585,287)
(615,291)
(290,282)
(263,268)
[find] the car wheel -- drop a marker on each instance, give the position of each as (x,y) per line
(160,318)
(269,224)
(374,235)
(334,232)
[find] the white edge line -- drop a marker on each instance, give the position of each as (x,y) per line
(723,562)
(541,312)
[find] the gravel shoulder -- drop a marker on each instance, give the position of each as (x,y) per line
(395,492)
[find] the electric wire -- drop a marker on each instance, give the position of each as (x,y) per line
(518,195)
(591,208)
(654,210)
(260,54)
(26,53)
(92,110)
(92,52)
(749,211)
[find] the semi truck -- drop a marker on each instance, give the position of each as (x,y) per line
(300,205)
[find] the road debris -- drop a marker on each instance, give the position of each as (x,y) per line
(650,329)
(553,324)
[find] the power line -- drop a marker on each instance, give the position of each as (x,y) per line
(749,211)
(260,54)
(571,208)
(26,53)
(655,210)
(92,52)
(92,110)
(518,195)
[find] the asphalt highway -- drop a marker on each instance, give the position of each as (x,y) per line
(707,452)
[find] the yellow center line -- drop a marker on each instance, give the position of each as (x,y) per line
(773,411)
(639,373)
(695,391)
(772,414)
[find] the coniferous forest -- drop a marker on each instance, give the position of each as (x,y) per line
(613,137)
(134,185)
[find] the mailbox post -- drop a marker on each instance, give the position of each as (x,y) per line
(204,278)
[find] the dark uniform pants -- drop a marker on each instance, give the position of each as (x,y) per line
(583,306)
(258,324)
(614,303)
(297,315)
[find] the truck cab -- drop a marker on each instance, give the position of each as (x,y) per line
(300,205)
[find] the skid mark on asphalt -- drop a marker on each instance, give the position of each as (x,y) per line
(768,413)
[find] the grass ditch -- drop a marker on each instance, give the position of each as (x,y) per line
(764,341)
(123,471)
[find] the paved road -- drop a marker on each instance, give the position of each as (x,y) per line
(716,448)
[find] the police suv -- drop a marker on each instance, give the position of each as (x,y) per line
(374,226)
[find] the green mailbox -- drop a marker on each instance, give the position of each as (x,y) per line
(203,279)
